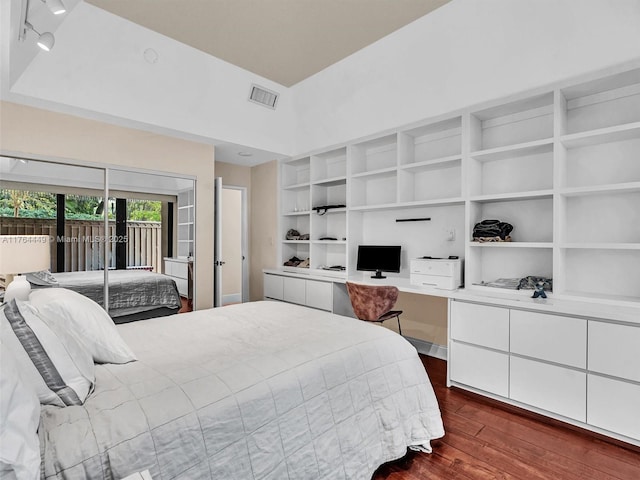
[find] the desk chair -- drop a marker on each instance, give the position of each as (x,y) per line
(373,303)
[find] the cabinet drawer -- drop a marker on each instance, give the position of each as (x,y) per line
(480,324)
(550,387)
(477,367)
(176,269)
(273,286)
(549,337)
(294,290)
(613,350)
(319,295)
(613,405)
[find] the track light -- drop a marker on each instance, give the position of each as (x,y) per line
(56,6)
(45,41)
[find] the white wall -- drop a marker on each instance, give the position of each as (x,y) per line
(466,52)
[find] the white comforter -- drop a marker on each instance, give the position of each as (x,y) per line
(261,390)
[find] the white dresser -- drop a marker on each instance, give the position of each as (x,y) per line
(582,369)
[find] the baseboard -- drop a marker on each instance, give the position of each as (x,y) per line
(231,298)
(428,348)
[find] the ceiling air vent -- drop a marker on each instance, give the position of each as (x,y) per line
(265,97)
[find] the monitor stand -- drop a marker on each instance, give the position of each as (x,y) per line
(378,274)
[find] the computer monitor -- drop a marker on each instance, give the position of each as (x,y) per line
(378,258)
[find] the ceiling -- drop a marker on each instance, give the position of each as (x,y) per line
(285,41)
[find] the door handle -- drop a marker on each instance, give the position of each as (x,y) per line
(219,263)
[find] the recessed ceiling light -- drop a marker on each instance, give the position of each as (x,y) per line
(245,154)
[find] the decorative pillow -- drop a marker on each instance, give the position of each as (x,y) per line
(54,362)
(70,310)
(19,417)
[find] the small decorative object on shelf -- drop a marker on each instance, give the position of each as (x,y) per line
(492,231)
(539,291)
(296,262)
(293,234)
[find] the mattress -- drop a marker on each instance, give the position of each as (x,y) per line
(261,390)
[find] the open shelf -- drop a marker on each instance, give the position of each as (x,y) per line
(295,172)
(513,123)
(329,165)
(606,273)
(588,218)
(429,142)
(603,103)
(525,167)
(373,155)
(430,180)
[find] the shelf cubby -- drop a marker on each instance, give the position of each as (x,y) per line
(295,249)
(295,172)
(512,123)
(585,165)
(328,255)
(295,199)
(490,264)
(522,168)
(431,142)
(532,219)
(329,165)
(329,193)
(374,189)
(588,218)
(602,103)
(374,155)
(331,224)
(430,180)
(301,223)
(605,274)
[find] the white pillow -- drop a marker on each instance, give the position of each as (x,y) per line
(19,417)
(54,361)
(89,321)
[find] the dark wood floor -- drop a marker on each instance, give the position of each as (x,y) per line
(485,439)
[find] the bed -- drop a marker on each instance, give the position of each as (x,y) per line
(133,294)
(261,390)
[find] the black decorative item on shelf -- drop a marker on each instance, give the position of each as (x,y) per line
(424,219)
(322,209)
(492,231)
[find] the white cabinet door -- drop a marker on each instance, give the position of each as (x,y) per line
(273,286)
(550,387)
(480,325)
(614,405)
(294,290)
(549,337)
(614,350)
(480,368)
(319,295)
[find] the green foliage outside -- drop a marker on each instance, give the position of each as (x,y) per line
(25,204)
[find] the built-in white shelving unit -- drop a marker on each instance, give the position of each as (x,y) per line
(186,214)
(559,163)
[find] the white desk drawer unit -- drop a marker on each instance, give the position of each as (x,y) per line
(312,293)
(584,371)
(439,273)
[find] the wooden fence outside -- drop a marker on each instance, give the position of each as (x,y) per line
(85,242)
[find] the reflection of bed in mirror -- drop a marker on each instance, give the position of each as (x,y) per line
(133,294)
